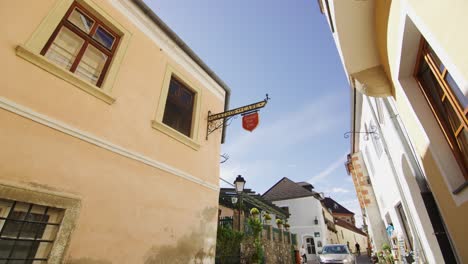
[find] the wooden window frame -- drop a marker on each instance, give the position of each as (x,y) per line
(87,39)
(157,123)
(424,54)
(188,112)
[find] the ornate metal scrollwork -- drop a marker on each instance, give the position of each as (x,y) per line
(223,119)
(217,124)
(373,132)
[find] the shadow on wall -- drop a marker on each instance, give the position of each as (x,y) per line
(198,246)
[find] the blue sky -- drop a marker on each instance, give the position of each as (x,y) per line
(285,49)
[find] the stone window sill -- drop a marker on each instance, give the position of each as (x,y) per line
(175,135)
(460,188)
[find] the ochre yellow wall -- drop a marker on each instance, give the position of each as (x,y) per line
(445,23)
(131,212)
(382,9)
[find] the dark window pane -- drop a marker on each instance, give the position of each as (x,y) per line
(5,248)
(23,248)
(430,85)
(179,108)
(445,110)
(104,37)
(451,116)
(434,90)
(80,20)
(436,60)
(462,99)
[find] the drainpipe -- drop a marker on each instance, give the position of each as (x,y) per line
(416,237)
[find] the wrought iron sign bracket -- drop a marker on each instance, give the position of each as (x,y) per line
(373,131)
(223,119)
(214,125)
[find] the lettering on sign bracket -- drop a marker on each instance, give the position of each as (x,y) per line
(223,119)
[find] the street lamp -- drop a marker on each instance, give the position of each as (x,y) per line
(239,183)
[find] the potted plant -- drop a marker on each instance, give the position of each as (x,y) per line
(267,218)
(279,222)
(256,226)
(254,212)
(386,254)
(286,226)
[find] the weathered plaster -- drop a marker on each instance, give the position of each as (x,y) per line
(88,261)
(196,247)
(46,197)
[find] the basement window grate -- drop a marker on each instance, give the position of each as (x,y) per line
(27,232)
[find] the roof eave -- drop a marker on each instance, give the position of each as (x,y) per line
(172,35)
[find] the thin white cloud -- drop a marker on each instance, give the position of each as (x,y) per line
(328,170)
(291,128)
(336,190)
(347,202)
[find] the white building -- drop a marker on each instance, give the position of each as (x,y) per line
(411,55)
(383,160)
(306,217)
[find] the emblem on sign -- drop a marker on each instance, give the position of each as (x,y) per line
(250,121)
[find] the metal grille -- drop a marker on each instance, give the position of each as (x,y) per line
(27,232)
(226,222)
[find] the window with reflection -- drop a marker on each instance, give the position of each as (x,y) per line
(448,102)
(82,44)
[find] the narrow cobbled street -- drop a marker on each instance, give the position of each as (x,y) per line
(359,260)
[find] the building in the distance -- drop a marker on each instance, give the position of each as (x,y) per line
(338,211)
(306,217)
(406,64)
(104,156)
(316,220)
(344,225)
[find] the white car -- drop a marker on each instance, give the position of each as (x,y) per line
(336,254)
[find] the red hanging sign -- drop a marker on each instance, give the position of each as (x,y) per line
(250,121)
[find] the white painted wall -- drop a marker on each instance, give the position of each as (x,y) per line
(303,213)
(396,185)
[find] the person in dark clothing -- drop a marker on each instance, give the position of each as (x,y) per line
(358,248)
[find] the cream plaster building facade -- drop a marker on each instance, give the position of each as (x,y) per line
(104,156)
(411,54)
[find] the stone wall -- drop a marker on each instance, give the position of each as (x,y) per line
(277,250)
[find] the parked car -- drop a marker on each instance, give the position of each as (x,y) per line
(336,253)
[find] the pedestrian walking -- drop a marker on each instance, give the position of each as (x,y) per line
(358,249)
(302,252)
